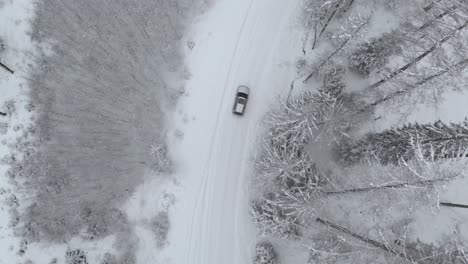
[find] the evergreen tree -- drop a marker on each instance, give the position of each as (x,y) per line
(333,83)
(433,141)
(373,54)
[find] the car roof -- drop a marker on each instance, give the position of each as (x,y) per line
(239,108)
(243,89)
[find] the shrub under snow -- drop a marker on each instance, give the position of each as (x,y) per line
(109,259)
(76,256)
(10,107)
(3,128)
(2,45)
(265,254)
(160,226)
(160,159)
(272,218)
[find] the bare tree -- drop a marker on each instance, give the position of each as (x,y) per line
(99,96)
(316,13)
(430,31)
(294,171)
(272,219)
(451,250)
(359,237)
(417,59)
(338,248)
(333,10)
(320,15)
(406,89)
(355,25)
(2,49)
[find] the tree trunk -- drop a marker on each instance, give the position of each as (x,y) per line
(306,40)
(315,38)
(6,68)
(390,186)
(410,88)
(361,238)
(348,6)
(337,6)
(453,205)
(338,49)
(430,6)
(417,59)
(441,15)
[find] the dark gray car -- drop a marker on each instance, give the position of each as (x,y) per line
(240,102)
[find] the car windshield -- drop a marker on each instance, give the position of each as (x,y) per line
(241,100)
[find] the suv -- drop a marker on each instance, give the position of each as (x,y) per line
(241,100)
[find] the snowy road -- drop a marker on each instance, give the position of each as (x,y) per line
(241,42)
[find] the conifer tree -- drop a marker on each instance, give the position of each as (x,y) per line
(373,54)
(435,141)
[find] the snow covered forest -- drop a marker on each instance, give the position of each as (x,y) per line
(119,146)
(103,77)
(330,181)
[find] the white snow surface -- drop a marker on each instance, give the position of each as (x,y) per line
(14,16)
(242,42)
(15,26)
(238,42)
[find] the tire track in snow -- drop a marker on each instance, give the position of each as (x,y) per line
(243,171)
(234,182)
(237,44)
(225,132)
(211,165)
(205,197)
(230,162)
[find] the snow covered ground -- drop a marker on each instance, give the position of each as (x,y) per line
(244,42)
(14,26)
(434,225)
